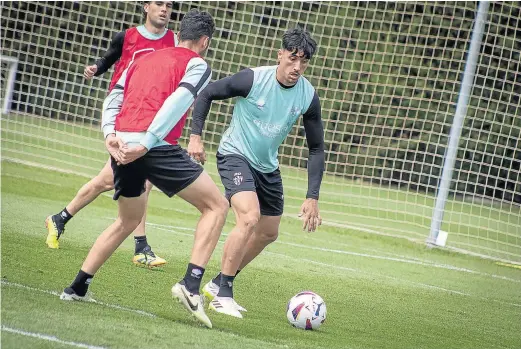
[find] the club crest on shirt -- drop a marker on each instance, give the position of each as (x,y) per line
(294,112)
(261,103)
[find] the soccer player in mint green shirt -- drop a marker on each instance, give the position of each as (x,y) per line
(270,99)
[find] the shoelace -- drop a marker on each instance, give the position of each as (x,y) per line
(147,251)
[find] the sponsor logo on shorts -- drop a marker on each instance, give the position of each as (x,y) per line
(238,178)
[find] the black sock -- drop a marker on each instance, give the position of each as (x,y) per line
(141,243)
(226,286)
(217,280)
(65,216)
(80,285)
(192,280)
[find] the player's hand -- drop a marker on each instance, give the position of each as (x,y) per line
(196,149)
(89,71)
(132,154)
(310,215)
(113,145)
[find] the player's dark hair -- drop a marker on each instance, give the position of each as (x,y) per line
(144,12)
(196,24)
(143,9)
(298,39)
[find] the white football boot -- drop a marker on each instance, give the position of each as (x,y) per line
(210,290)
(225,305)
(194,303)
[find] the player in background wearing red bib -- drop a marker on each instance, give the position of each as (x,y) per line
(125,47)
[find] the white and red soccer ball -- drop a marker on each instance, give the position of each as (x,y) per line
(306,310)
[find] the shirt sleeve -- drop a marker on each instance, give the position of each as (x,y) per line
(196,78)
(112,106)
(315,139)
(237,85)
(112,55)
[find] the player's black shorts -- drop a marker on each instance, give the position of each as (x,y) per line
(237,175)
(168,167)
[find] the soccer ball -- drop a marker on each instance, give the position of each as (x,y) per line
(306,310)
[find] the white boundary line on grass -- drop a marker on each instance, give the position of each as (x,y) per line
(338,243)
(368,274)
(328,223)
(392,278)
(53,293)
(49,338)
(399,258)
(161,227)
(290,234)
(114,306)
(45,167)
(358,254)
(419,284)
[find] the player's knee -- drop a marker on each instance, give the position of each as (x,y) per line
(104,183)
(108,186)
(218,204)
(128,224)
(249,220)
(222,206)
(270,236)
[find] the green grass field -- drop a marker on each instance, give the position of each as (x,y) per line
(488,229)
(380,291)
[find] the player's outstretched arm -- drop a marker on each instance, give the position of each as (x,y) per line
(315,139)
(237,85)
(109,58)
